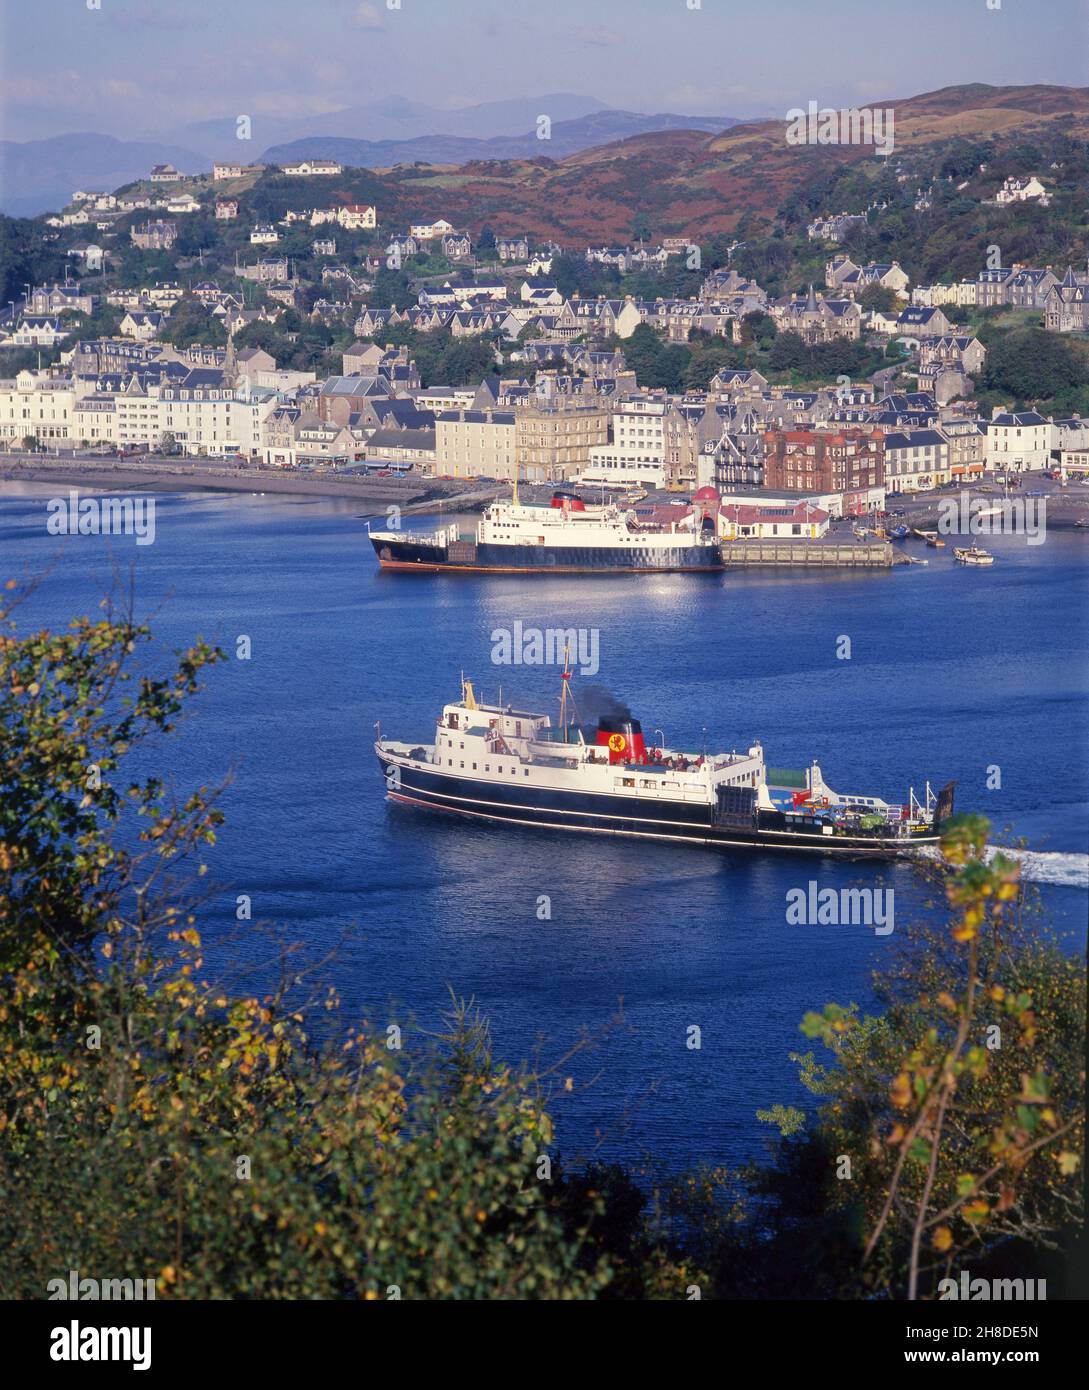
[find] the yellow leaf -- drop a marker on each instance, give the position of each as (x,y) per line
(942,1238)
(900,1091)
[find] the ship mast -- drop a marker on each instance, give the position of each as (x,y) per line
(565,691)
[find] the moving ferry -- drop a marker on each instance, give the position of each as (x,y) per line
(499,763)
(569,536)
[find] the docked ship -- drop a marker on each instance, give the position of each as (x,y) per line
(569,536)
(498,763)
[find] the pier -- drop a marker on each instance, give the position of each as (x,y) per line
(824,554)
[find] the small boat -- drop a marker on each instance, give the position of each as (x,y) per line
(898,533)
(935,541)
(973,555)
(1081,524)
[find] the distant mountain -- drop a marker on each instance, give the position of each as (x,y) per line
(566,137)
(41,175)
(392,118)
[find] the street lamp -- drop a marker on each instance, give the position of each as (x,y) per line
(662,744)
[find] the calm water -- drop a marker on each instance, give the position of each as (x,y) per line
(951,671)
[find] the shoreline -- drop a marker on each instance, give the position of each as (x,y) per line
(409,494)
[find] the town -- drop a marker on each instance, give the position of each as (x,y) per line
(545,384)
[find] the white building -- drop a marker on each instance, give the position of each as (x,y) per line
(1018,443)
(204,415)
(475,444)
(1022,191)
(427,231)
(916,460)
(34,331)
(38,405)
(306,168)
(637,452)
(354,217)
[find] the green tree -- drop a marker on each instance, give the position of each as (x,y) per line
(120,1059)
(1032,365)
(960,1108)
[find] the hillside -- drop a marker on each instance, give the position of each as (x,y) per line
(679,180)
(38,175)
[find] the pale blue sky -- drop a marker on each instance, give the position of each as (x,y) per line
(136,68)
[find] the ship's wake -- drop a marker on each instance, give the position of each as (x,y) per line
(1040,866)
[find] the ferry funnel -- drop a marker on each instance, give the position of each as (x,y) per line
(623,736)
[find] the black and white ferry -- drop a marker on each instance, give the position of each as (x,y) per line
(498,763)
(569,536)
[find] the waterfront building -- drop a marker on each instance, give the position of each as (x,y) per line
(1018,442)
(916,460)
(824,460)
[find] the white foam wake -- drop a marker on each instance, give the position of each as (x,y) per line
(1040,866)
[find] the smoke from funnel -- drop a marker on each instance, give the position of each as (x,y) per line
(596,703)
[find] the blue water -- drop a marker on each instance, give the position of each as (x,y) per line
(951,671)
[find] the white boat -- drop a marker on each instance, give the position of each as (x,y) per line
(497,763)
(973,555)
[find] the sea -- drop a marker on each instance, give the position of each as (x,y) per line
(659,987)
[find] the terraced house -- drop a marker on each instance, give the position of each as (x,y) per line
(916,460)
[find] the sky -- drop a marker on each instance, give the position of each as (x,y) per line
(139,69)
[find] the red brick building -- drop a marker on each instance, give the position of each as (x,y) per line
(823,460)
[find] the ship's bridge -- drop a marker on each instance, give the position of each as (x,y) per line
(516,727)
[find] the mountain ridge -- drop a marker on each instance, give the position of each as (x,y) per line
(566,137)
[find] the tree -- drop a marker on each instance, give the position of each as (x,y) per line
(960,1109)
(190,322)
(640,228)
(787,351)
(758,327)
(1031,365)
(360,1171)
(391,287)
(878,297)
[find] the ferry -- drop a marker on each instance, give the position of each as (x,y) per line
(568,536)
(494,762)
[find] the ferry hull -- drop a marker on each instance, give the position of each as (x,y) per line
(631,817)
(408,555)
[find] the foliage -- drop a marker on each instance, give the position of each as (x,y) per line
(958,1113)
(1032,366)
(218,1148)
